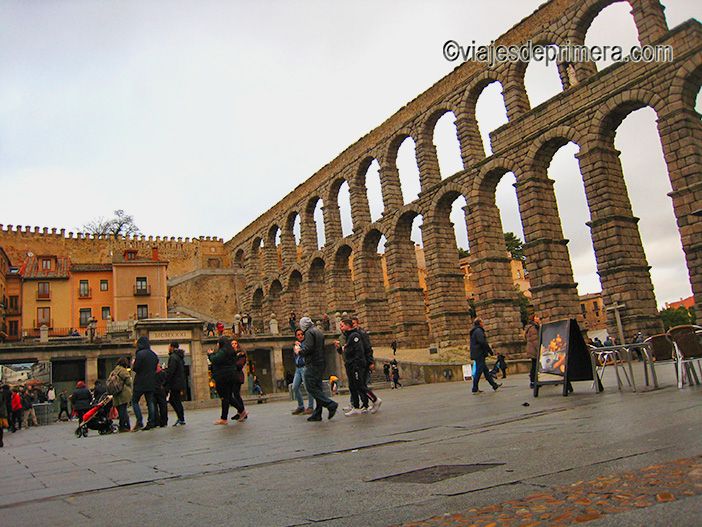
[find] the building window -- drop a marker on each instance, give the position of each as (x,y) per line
(84,289)
(43,316)
(14,328)
(46,264)
(106,313)
(582,308)
(14,303)
(141,288)
(43,290)
(104,285)
(85,315)
(142,312)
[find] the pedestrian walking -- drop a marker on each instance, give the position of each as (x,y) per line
(7,397)
(370,364)
(393,345)
(28,412)
(16,403)
(386,371)
(3,414)
(160,401)
(531,334)
(224,374)
(299,376)
(395,373)
(479,350)
(312,348)
(144,368)
(120,386)
(354,354)
(175,380)
(239,378)
(63,406)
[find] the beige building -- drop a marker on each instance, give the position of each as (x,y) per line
(140,286)
(4,270)
(592,309)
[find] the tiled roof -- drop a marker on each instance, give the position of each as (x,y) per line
(90,267)
(31,268)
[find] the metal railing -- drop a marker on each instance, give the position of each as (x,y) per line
(85,292)
(142,290)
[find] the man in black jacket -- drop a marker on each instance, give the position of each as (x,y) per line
(144,367)
(312,348)
(479,350)
(355,360)
(175,380)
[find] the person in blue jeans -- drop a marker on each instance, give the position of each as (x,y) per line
(297,380)
(479,350)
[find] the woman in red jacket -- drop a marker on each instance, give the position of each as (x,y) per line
(16,410)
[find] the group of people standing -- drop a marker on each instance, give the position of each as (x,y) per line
(158,386)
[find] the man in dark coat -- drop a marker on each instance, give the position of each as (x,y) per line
(355,360)
(175,380)
(144,367)
(479,350)
(312,348)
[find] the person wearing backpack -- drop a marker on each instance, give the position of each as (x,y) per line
(119,385)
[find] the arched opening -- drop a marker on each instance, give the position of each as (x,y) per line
(490,112)
(615,29)
(294,292)
(239,259)
(274,306)
(292,244)
(460,229)
(344,202)
(369,278)
(374,193)
(648,186)
(316,290)
(318,221)
(541,78)
(574,213)
(256,259)
(448,148)
(406,163)
(506,201)
(341,281)
(273,249)
(297,233)
(257,310)
(407,272)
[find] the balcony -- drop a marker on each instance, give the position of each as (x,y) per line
(142,290)
(44,295)
(37,324)
(85,292)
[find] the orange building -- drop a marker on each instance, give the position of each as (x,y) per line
(4,270)
(46,294)
(92,288)
(140,286)
(688,303)
(13,308)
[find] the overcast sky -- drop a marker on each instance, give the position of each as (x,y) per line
(197,116)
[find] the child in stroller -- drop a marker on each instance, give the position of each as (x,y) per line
(97,418)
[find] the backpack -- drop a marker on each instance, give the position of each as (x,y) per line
(115,384)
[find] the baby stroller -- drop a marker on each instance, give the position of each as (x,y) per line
(97,418)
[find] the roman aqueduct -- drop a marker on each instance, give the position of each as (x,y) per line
(587,112)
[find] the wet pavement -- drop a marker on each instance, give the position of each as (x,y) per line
(433,455)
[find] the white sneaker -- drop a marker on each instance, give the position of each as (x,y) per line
(353,411)
(347,409)
(376,405)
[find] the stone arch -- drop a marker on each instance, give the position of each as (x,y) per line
(586,14)
(371,296)
(448,194)
(332,210)
(358,187)
(239,259)
(611,114)
(687,82)
(308,225)
(429,129)
(273,257)
(391,163)
(289,246)
(468,125)
(316,297)
(542,150)
(256,258)
(257,314)
(340,284)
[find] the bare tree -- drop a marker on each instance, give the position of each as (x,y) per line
(122,224)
